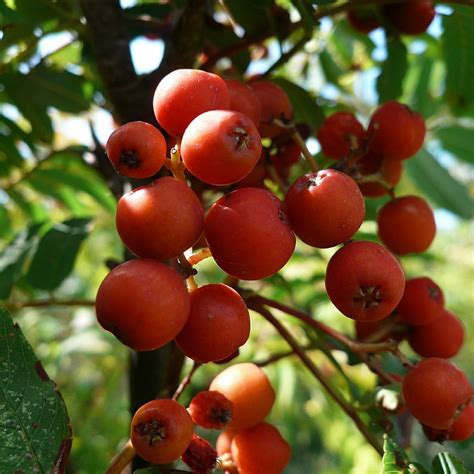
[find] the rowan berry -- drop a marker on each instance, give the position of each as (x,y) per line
(463,426)
(363,20)
(412,17)
(200,456)
(211,409)
(243,99)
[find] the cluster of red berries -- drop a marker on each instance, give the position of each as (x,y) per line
(238,400)
(409,17)
(214,132)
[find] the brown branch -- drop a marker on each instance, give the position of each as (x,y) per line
(186,381)
(122,460)
(49,302)
(281,355)
(334,394)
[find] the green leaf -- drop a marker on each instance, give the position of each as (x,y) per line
(394,68)
(9,153)
(13,257)
(459,141)
(394,458)
(5,222)
(458,38)
(254,17)
(435,181)
(331,69)
(34,211)
(304,104)
(34,426)
(422,98)
(56,253)
(18,132)
(306,13)
(447,463)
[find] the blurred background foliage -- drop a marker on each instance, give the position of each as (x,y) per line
(57,196)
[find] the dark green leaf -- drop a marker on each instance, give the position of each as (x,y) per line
(394,68)
(422,99)
(458,38)
(254,17)
(447,463)
(34,426)
(13,257)
(35,12)
(435,181)
(306,13)
(331,69)
(34,211)
(5,222)
(17,131)
(304,104)
(459,141)
(56,253)
(9,153)
(395,460)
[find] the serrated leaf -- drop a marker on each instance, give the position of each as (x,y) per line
(304,104)
(457,39)
(13,257)
(459,141)
(447,463)
(56,253)
(393,70)
(34,427)
(438,185)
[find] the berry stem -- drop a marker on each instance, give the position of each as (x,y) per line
(186,381)
(335,395)
(189,271)
(199,256)
(175,165)
(122,460)
(48,302)
(281,355)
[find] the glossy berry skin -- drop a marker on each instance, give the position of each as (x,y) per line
(160,220)
(412,17)
(364,281)
(340,133)
(136,149)
(274,104)
(395,131)
(250,391)
(200,456)
(259,449)
(243,99)
(218,324)
(406,225)
(161,430)
(422,302)
(463,427)
(434,390)
(184,94)
(325,208)
(211,409)
(221,147)
(248,234)
(442,338)
(144,303)
(363,20)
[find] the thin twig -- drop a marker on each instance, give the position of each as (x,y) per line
(122,460)
(48,302)
(186,381)
(199,256)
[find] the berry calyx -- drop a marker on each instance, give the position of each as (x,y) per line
(200,456)
(211,409)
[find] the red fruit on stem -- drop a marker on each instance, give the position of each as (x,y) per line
(395,131)
(422,302)
(434,391)
(412,17)
(363,20)
(160,220)
(364,281)
(340,134)
(161,430)
(144,303)
(325,208)
(463,427)
(406,224)
(248,234)
(184,94)
(389,171)
(243,99)
(221,147)
(211,409)
(137,149)
(200,456)
(217,326)
(443,337)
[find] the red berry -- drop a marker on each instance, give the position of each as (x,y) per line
(406,225)
(143,303)
(250,391)
(137,149)
(463,426)
(441,338)
(412,17)
(395,132)
(325,208)
(390,173)
(200,456)
(244,100)
(340,134)
(161,430)
(259,449)
(363,20)
(221,147)
(422,302)
(211,409)
(184,94)
(274,104)
(217,326)
(160,220)
(364,281)
(248,234)
(434,391)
